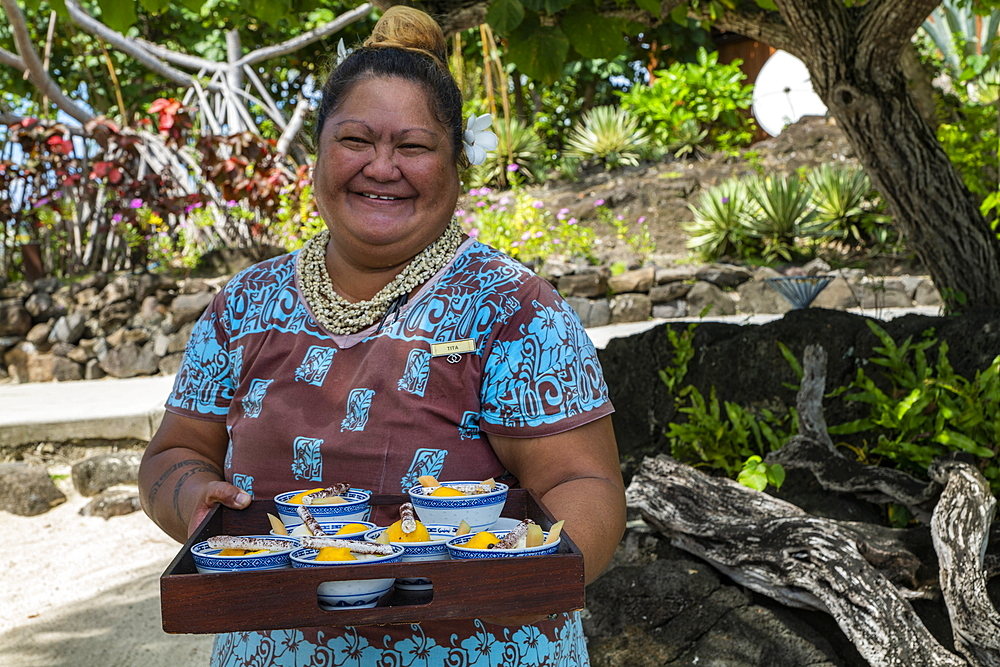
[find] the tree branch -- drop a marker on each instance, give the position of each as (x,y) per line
(294,125)
(129,46)
(751,21)
(888,25)
(299,41)
(12,60)
(182,59)
(33,64)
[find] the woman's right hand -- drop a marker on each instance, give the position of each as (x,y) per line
(231,496)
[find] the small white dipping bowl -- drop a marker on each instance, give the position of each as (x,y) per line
(460,552)
(479,511)
(331,527)
(355,509)
(208,561)
(435,549)
(353,593)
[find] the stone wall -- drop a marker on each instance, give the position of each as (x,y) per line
(138,324)
(122,326)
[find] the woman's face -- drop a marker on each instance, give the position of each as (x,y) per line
(386,182)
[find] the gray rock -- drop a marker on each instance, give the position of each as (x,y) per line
(126,335)
(838,295)
(676,274)
(160,344)
(7,342)
(122,288)
(14,319)
(39,335)
(927,294)
(115,315)
(760,297)
(670,309)
(587,285)
(68,329)
(193,286)
(765,272)
(40,306)
(48,285)
(189,307)
(724,275)
(99,347)
(179,340)
(27,490)
(146,285)
(113,502)
(704,294)
(669,292)
(590,316)
(152,312)
(816,267)
(78,354)
(170,364)
(632,307)
(100,472)
(555,269)
(49,367)
(87,298)
(93,370)
(95,281)
(129,360)
(639,280)
(16,360)
(63,350)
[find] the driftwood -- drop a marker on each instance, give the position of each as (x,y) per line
(860,574)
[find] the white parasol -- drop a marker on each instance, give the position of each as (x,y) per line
(783,93)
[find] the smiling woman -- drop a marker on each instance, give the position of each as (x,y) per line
(324,366)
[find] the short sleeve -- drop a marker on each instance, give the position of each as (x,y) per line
(542,375)
(205,383)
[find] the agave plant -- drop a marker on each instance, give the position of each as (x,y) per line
(848,208)
(718,228)
(525,150)
(687,139)
(782,213)
(608,134)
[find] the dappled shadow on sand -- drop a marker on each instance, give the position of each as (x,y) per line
(119,627)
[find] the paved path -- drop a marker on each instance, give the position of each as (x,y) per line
(117,409)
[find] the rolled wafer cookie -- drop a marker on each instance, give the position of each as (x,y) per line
(511,539)
(408,521)
(354,545)
(247,543)
(309,520)
(328,492)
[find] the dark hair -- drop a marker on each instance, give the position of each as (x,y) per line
(406,44)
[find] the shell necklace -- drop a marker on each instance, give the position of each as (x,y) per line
(340,316)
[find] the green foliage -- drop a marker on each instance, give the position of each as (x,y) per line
(539,50)
(707,93)
(757,474)
(928,410)
(970,141)
(778,217)
(640,241)
(520,226)
(725,437)
(609,135)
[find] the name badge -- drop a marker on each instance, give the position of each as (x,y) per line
(453,347)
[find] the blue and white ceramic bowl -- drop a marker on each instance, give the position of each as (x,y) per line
(480,511)
(331,527)
(208,561)
(460,552)
(355,509)
(353,593)
(435,549)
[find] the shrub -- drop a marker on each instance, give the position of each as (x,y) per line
(704,92)
(525,151)
(849,208)
(520,226)
(609,135)
(782,214)
(718,228)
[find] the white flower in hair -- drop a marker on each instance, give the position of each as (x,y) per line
(341,52)
(478,139)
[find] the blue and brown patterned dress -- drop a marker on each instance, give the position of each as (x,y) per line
(305,408)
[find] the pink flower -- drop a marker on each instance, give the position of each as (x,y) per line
(470,219)
(480,204)
(620,217)
(642,220)
(191,207)
(525,236)
(231,203)
(484,191)
(460,212)
(135,203)
(537,204)
(512,167)
(504,201)
(117,217)
(474,233)
(539,235)
(599,202)
(572,221)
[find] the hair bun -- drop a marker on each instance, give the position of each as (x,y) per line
(407,28)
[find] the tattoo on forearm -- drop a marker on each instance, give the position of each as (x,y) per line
(199,466)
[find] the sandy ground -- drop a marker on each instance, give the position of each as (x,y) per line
(81,591)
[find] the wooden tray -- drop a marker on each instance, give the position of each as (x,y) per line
(270,600)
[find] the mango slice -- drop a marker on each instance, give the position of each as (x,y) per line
(383,538)
(482,540)
(395,533)
(535,536)
(300,530)
(554,532)
(276,525)
(241,552)
(446,491)
(463,528)
(297,498)
(351,528)
(490,483)
(427,480)
(335,553)
(330,500)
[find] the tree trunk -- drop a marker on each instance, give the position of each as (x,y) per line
(853,56)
